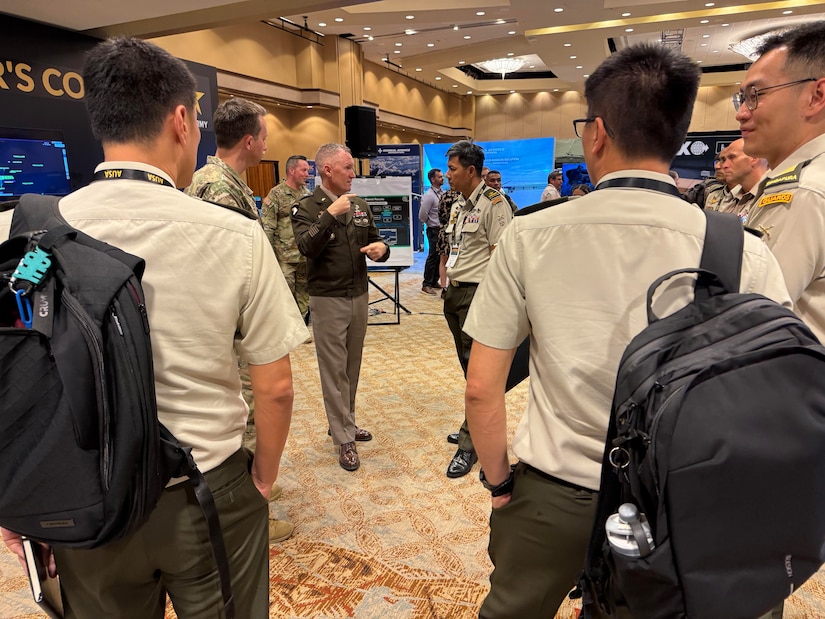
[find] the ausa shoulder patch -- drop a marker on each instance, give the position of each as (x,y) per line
(535,208)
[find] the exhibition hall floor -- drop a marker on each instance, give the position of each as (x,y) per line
(396,539)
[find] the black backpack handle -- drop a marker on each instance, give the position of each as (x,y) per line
(706,280)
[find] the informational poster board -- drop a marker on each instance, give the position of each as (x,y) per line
(402,160)
(390,201)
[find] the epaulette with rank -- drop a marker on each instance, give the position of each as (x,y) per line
(792,176)
(230,207)
(535,208)
(492,195)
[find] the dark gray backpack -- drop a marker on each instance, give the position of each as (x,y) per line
(717,436)
(83,458)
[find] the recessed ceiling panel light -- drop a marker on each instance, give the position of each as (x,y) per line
(500,21)
(410,16)
(339,19)
(532,66)
(510,54)
(430,44)
(512,91)
(512,32)
(480,13)
(370,38)
(398,51)
(725,25)
(558,10)
(455,27)
(568,44)
(586,75)
(322,23)
(467,36)
(625,14)
(469,92)
(409,32)
(455,85)
(786,12)
(460,62)
(367,28)
(572,57)
(399,44)
(578,66)
(438,78)
(710,4)
(705,36)
(628,29)
(703,45)
(555,90)
(419,69)
(704,21)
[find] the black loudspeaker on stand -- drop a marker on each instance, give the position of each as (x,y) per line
(359,121)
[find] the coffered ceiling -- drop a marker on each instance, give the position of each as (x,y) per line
(558,41)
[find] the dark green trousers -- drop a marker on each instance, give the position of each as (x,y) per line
(538,544)
(456,305)
(171,553)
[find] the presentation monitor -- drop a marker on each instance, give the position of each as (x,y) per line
(33,161)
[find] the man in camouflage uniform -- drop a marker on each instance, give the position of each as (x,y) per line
(240,133)
(277,222)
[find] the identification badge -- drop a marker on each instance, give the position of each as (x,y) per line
(453,256)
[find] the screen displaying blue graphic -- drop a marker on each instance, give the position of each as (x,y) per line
(524,165)
(33,161)
(573,175)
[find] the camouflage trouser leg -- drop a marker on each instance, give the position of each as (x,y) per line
(295,274)
(246,390)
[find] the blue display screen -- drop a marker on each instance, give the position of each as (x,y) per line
(33,162)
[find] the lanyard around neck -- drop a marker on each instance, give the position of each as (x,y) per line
(640,183)
(116,174)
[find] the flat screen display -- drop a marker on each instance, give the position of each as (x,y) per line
(33,161)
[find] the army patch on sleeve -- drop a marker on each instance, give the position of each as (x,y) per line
(294,210)
(776,198)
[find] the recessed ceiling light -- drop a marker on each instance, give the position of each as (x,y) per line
(705,36)
(309,107)
(586,75)
(480,13)
(339,19)
(500,21)
(510,54)
(703,45)
(568,44)
(398,51)
(410,16)
(469,92)
(704,21)
(460,62)
(786,12)
(716,51)
(419,69)
(628,29)
(710,4)
(558,10)
(698,62)
(512,91)
(438,78)
(532,66)
(725,25)
(455,85)
(512,32)
(430,44)
(625,14)
(555,90)
(322,23)
(399,44)
(578,66)
(572,57)
(410,31)
(455,27)
(467,36)
(367,28)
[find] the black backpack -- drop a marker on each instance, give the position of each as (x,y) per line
(83,458)
(717,436)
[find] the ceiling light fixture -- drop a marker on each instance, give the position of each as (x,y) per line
(787,12)
(467,36)
(430,44)
(558,10)
(410,16)
(339,19)
(625,14)
(748,47)
(704,21)
(321,24)
(628,29)
(480,13)
(408,32)
(568,44)
(503,65)
(512,32)
(399,44)
(438,78)
(367,28)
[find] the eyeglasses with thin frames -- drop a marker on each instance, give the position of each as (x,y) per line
(590,119)
(750,95)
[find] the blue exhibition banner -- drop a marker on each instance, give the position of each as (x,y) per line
(402,160)
(524,165)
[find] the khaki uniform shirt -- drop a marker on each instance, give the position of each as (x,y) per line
(211,288)
(277,220)
(218,182)
(574,277)
(790,213)
(476,224)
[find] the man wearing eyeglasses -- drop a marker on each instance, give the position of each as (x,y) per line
(574,276)
(781,112)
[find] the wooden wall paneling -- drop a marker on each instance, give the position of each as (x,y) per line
(262,177)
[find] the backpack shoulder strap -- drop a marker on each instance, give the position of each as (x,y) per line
(722,250)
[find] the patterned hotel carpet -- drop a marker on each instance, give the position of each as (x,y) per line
(396,539)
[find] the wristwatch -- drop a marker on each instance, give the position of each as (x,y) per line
(505,487)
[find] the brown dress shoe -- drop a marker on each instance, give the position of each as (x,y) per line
(348,459)
(428,290)
(362,435)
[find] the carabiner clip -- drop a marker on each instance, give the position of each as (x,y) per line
(24,306)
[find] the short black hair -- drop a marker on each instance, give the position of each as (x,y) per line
(431,174)
(235,119)
(806,49)
(645,95)
(493,172)
(131,87)
(468,154)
